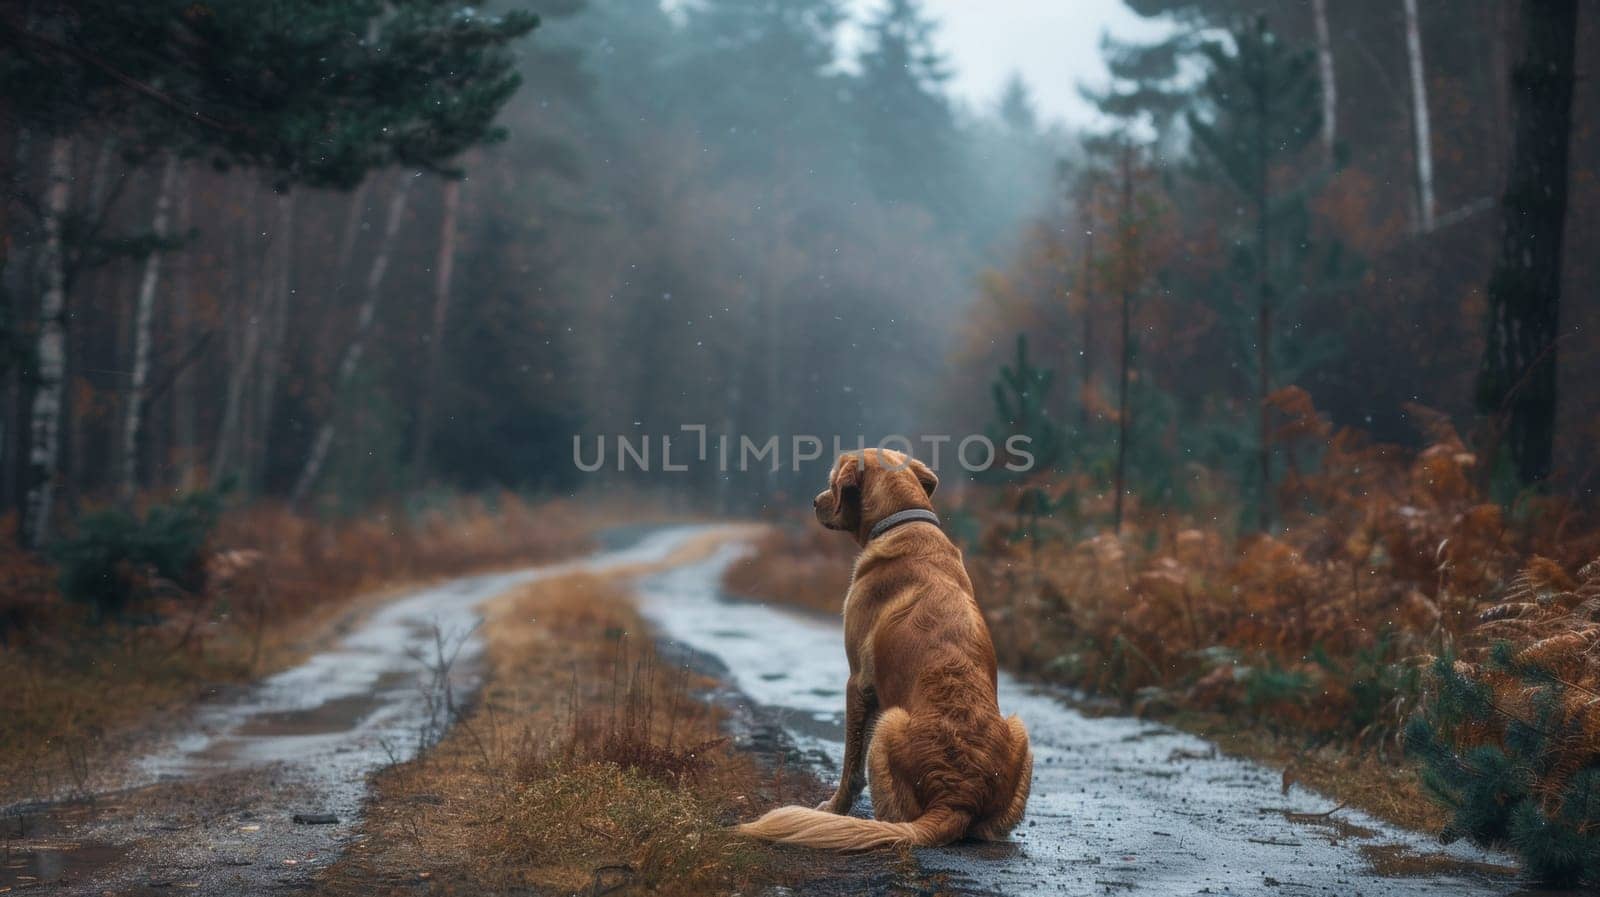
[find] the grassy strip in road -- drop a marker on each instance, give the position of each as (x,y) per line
(586,763)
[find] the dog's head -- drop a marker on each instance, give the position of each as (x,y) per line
(868,485)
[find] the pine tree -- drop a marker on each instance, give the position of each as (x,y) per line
(1195,12)
(1089,182)
(313,92)
(906,124)
(1258,109)
(1506,734)
(1020,403)
(1118,167)
(1146,90)
(783,95)
(1017,110)
(1015,154)
(1518,789)
(1129,274)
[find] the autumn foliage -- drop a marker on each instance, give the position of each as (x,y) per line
(1387,555)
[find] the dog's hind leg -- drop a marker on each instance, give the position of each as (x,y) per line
(893,798)
(995,828)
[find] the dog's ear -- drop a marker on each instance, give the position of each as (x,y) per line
(846,479)
(925,476)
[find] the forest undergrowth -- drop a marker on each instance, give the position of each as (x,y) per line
(140,613)
(1392,579)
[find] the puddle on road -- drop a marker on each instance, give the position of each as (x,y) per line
(29,865)
(336,715)
(1118,805)
(36,849)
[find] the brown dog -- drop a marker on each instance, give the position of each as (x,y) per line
(942,763)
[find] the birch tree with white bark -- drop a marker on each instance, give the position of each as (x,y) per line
(183,382)
(444,268)
(144,316)
(1420,123)
(44,420)
(1328,75)
(351,362)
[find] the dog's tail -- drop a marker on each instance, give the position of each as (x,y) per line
(830,831)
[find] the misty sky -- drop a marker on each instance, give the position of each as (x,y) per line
(1055,44)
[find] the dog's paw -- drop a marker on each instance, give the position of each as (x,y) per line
(828,807)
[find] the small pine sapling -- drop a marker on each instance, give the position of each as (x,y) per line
(1020,395)
(1509,745)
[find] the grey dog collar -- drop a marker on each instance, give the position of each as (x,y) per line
(909,515)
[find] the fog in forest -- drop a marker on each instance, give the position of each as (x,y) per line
(775,219)
(411,412)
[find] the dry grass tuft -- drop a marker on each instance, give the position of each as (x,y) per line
(569,823)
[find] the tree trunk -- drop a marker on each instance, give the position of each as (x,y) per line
(275,319)
(1421,127)
(347,245)
(1085,358)
(1497,23)
(89,460)
(183,385)
(1329,78)
(1129,272)
(44,428)
(773,275)
(352,233)
(15,424)
(773,309)
(1517,382)
(242,355)
(1263,191)
(144,315)
(352,354)
(442,270)
(100,176)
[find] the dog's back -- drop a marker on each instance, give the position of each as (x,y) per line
(932,658)
(942,762)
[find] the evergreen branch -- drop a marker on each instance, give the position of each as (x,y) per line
(132,83)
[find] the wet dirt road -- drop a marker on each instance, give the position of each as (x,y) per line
(1119,805)
(264,787)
